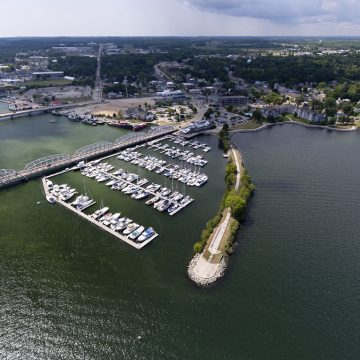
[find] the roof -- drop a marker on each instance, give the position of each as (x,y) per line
(48,73)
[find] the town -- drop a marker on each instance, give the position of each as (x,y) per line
(120,83)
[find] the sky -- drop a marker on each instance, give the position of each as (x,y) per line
(180,17)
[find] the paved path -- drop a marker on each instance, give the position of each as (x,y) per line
(218,235)
(238,168)
(205,269)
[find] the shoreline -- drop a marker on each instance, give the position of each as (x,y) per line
(309,126)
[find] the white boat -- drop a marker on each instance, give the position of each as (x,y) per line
(106,217)
(111,219)
(51,199)
(111,182)
(80,199)
(99,213)
(114,219)
(123,224)
(136,233)
(141,195)
(153,200)
(67,196)
(85,204)
(172,208)
(130,228)
(147,234)
(164,206)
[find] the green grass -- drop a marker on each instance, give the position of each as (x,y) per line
(47,83)
(248,125)
(294,118)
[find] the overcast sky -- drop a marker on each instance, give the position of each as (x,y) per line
(179,17)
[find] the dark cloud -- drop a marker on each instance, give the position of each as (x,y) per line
(285,10)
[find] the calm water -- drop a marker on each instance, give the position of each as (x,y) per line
(70,291)
(25,139)
(3,108)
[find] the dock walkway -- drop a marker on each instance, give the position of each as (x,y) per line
(119,236)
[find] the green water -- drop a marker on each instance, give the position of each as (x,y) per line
(25,139)
(3,108)
(71,291)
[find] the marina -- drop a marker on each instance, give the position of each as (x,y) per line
(78,210)
(131,184)
(189,176)
(159,197)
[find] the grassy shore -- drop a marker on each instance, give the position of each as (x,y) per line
(247,126)
(235,201)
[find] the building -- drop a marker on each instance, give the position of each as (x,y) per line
(46,75)
(38,63)
(232,100)
(176,94)
(74,50)
(303,113)
(197,126)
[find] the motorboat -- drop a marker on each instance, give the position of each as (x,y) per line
(123,224)
(51,199)
(153,200)
(172,208)
(164,206)
(130,228)
(147,234)
(99,213)
(111,182)
(80,199)
(85,204)
(136,233)
(140,195)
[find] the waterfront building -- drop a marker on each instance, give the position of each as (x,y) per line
(303,113)
(197,126)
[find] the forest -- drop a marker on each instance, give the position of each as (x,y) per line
(293,70)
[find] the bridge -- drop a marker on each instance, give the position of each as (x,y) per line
(52,163)
(30,112)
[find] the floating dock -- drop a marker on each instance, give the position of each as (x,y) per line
(119,236)
(182,206)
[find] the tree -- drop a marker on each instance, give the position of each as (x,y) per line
(257,115)
(208,113)
(230,108)
(347,108)
(330,102)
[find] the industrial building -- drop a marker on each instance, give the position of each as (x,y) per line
(46,75)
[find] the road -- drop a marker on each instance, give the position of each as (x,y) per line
(97,93)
